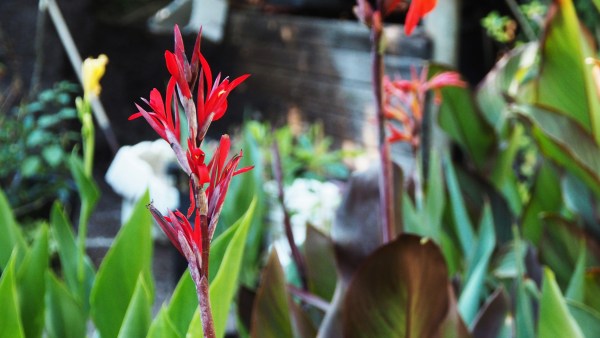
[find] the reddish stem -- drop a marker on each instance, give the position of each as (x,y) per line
(386,193)
(296,255)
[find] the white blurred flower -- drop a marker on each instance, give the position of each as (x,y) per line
(308,201)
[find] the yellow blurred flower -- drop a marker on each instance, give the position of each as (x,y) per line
(91,73)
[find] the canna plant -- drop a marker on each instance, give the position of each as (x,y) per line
(208,182)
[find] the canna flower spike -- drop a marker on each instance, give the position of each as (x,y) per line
(208,182)
(405,100)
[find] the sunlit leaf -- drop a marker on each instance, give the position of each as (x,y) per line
(10,320)
(31,281)
(65,317)
(225,283)
(587,318)
(565,82)
(129,256)
(554,314)
(11,233)
(138,316)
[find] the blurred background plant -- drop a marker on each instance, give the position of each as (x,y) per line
(37,137)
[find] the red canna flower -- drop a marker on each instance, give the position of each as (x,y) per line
(417,10)
(187,239)
(405,100)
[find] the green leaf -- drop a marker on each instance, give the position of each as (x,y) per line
(463,122)
(472,292)
(31,279)
(320,263)
(183,304)
(88,191)
(129,256)
(65,317)
(435,199)
(11,233)
(31,166)
(524,320)
(592,289)
(225,283)
(554,314)
(79,285)
(562,140)
(576,289)
(561,245)
(10,320)
(587,318)
(242,191)
(271,314)
(138,316)
(463,226)
(53,155)
(408,300)
(565,82)
(505,79)
(163,326)
(503,175)
(545,197)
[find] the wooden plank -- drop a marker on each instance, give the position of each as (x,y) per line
(288,30)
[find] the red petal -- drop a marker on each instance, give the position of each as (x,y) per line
(417,10)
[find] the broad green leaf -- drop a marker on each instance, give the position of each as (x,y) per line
(11,233)
(468,303)
(565,82)
(545,197)
(65,317)
(129,256)
(464,123)
(225,283)
(463,226)
(31,281)
(587,318)
(271,314)
(138,316)
(163,326)
(320,263)
(597,4)
(183,304)
(562,140)
(80,286)
(554,314)
(409,300)
(10,319)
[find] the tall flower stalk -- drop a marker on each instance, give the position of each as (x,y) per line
(204,100)
(373,17)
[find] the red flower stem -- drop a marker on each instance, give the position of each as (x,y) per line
(386,193)
(202,287)
(296,256)
(208,326)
